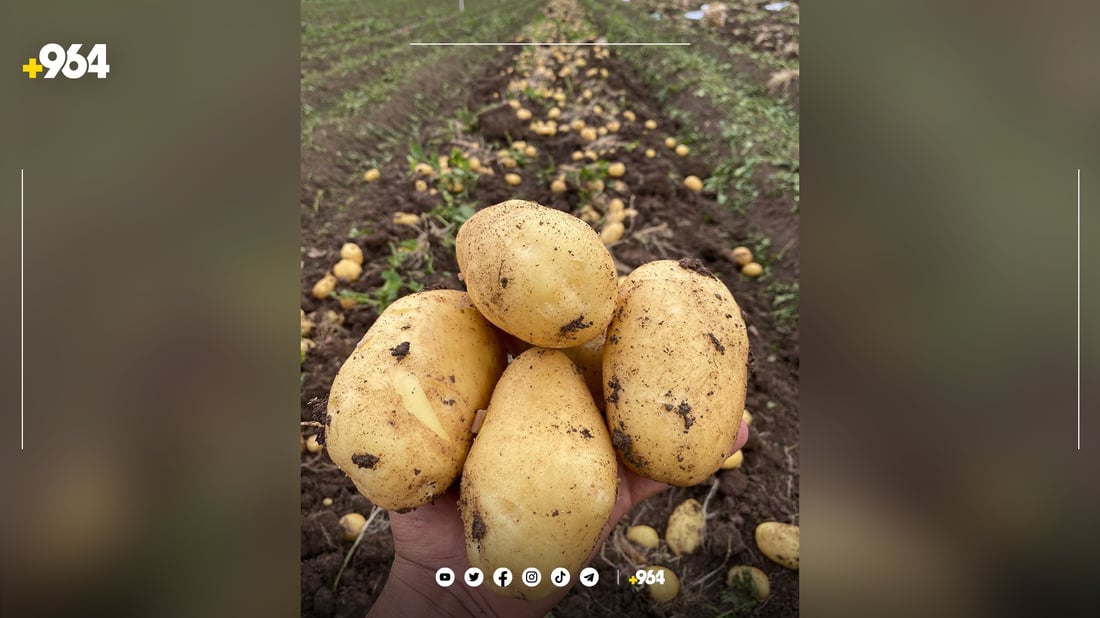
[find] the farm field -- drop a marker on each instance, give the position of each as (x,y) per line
(372,101)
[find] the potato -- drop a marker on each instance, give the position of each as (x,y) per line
(351,524)
(752,269)
(408,218)
(666,591)
(675,369)
(371,175)
(685,527)
(616,170)
(734,461)
(693,183)
(513,179)
(558,186)
(537,273)
(313,446)
(670,142)
(402,406)
(650,153)
(324,287)
(750,579)
(612,232)
(644,536)
(682,150)
(741,255)
(779,542)
(351,251)
(746,416)
(347,270)
(588,357)
(541,477)
(651,124)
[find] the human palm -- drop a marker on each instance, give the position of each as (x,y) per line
(432,537)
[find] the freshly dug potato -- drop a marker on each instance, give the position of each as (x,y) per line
(351,251)
(675,368)
(541,477)
(351,524)
(741,255)
(347,270)
(537,273)
(742,575)
(402,406)
(588,357)
(666,591)
(752,269)
(644,536)
(746,416)
(612,232)
(734,461)
(779,542)
(693,183)
(685,527)
(324,287)
(313,446)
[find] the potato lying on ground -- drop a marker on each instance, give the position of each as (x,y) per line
(685,527)
(402,406)
(537,273)
(675,370)
(779,542)
(749,579)
(541,477)
(645,536)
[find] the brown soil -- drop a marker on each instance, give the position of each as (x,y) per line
(672,223)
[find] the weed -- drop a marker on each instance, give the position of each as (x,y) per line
(784,305)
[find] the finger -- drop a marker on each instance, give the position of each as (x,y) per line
(740,439)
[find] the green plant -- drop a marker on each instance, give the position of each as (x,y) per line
(784,310)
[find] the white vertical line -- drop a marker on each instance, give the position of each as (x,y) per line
(1078,308)
(21,313)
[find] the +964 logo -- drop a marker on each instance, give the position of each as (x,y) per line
(71,62)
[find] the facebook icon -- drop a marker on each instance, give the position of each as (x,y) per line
(502,577)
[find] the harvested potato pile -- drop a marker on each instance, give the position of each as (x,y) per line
(665,352)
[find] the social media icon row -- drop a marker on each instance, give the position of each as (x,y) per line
(531,577)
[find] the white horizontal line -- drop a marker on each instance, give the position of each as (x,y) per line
(547,44)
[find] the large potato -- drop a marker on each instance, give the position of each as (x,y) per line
(402,407)
(675,367)
(541,477)
(537,273)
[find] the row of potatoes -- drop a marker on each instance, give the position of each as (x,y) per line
(651,372)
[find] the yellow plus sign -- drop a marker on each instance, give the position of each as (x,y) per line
(32,68)
(633,580)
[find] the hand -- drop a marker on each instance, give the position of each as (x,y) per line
(432,537)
